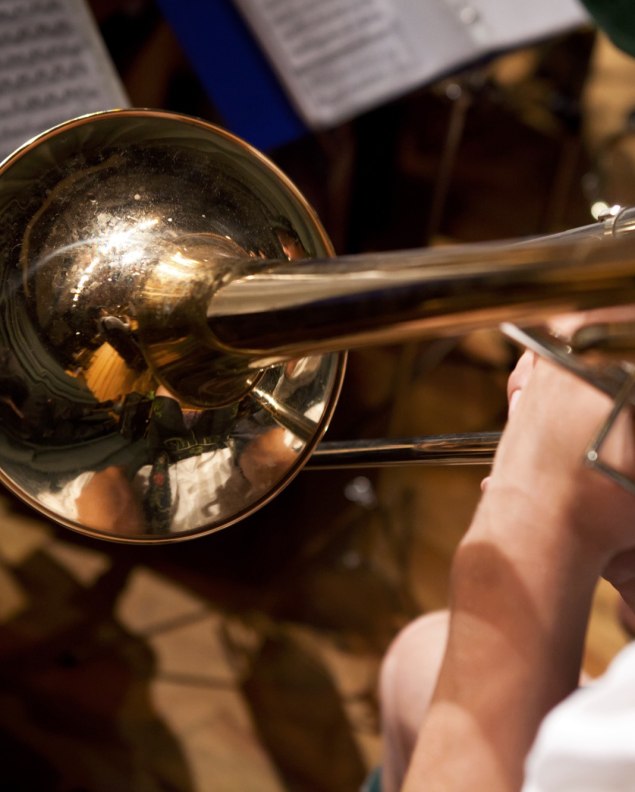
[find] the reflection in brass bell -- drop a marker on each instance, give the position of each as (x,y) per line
(120,414)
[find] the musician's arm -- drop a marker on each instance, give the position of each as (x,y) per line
(522,583)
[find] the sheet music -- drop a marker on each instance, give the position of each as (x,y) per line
(53,66)
(338,58)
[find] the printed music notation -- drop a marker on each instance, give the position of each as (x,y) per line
(53,66)
(337,58)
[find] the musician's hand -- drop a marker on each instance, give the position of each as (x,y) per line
(542,458)
(620,570)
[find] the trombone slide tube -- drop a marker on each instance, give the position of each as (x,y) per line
(476,448)
(273,311)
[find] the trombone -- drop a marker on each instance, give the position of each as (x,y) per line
(174,324)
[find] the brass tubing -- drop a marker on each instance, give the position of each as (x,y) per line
(272,311)
(476,448)
(166,300)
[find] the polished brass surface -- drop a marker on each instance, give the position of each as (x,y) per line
(354,301)
(467,448)
(173,325)
(121,415)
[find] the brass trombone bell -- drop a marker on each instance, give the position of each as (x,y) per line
(174,325)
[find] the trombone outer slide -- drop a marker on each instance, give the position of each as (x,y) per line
(469,448)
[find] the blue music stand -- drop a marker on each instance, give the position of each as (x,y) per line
(234,72)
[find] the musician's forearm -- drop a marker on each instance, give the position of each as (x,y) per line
(521,594)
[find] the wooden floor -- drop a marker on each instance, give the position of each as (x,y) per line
(247,661)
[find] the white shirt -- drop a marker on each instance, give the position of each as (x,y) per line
(587,743)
